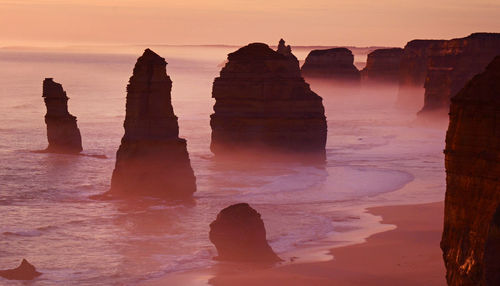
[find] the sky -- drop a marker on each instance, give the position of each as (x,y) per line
(238,22)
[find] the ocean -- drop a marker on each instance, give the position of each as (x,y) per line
(377,154)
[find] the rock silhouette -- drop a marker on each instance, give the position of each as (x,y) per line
(62,132)
(452,63)
(382,66)
(25,271)
(239,234)
(471,235)
(336,64)
(263,102)
(152,160)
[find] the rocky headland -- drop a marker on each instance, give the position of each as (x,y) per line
(262,101)
(382,66)
(239,234)
(152,160)
(452,63)
(471,235)
(333,64)
(62,131)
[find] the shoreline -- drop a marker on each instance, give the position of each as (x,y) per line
(406,255)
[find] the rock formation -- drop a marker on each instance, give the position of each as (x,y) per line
(452,63)
(336,64)
(382,66)
(152,160)
(62,132)
(262,101)
(25,271)
(239,234)
(471,235)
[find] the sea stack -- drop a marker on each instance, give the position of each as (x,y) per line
(261,101)
(152,160)
(239,234)
(25,271)
(452,63)
(471,235)
(382,66)
(62,132)
(334,64)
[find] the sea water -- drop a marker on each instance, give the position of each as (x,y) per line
(376,155)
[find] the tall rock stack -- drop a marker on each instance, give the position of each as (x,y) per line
(382,66)
(263,102)
(471,236)
(413,70)
(62,132)
(335,64)
(152,160)
(452,63)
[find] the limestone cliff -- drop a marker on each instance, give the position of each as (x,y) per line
(452,63)
(471,235)
(382,66)
(152,160)
(335,64)
(261,101)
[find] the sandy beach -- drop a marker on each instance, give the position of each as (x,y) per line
(407,255)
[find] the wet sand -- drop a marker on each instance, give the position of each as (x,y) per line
(407,255)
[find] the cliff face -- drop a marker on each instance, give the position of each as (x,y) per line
(382,66)
(239,234)
(452,63)
(62,132)
(471,235)
(152,160)
(336,64)
(262,101)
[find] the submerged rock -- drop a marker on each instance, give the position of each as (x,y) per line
(452,63)
(336,64)
(25,271)
(261,100)
(62,132)
(471,235)
(239,234)
(152,160)
(382,66)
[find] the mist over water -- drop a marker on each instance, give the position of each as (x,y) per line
(377,154)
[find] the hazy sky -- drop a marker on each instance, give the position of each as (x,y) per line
(304,22)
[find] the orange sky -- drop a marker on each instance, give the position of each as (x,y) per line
(305,22)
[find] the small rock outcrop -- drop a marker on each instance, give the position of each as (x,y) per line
(336,64)
(382,66)
(239,234)
(261,101)
(25,271)
(452,63)
(152,160)
(471,234)
(62,132)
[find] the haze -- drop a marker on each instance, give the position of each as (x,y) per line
(314,22)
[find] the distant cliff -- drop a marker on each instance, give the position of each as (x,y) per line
(471,235)
(334,64)
(62,132)
(382,66)
(452,63)
(261,100)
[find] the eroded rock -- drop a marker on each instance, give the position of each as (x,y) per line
(239,234)
(25,271)
(334,64)
(152,160)
(382,66)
